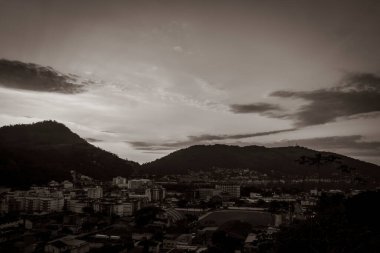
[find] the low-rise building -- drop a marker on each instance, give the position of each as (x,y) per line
(119,181)
(95,192)
(67,184)
(123,209)
(232,190)
(138,183)
(156,193)
(76,206)
(206,194)
(67,245)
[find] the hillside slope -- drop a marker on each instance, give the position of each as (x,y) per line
(37,153)
(276,162)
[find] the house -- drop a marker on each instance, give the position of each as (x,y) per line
(67,184)
(67,245)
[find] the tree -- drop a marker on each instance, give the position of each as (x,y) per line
(318,160)
(215,202)
(88,209)
(341,225)
(146,215)
(230,237)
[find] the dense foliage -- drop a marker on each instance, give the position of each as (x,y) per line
(40,152)
(341,225)
(283,161)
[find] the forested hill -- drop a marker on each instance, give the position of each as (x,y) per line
(272,161)
(40,152)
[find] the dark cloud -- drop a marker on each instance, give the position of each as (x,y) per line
(93,140)
(153,146)
(254,108)
(357,94)
(362,81)
(208,137)
(29,76)
(200,139)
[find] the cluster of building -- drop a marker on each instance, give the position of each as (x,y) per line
(249,177)
(122,197)
(225,191)
(83,214)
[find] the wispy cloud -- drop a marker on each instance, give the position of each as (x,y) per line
(200,139)
(208,137)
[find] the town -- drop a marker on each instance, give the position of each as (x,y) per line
(150,214)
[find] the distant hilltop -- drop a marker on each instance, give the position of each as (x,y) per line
(275,162)
(40,152)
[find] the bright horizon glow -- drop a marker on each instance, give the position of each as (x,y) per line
(170,74)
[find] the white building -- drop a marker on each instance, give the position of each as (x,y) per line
(95,192)
(51,204)
(157,193)
(119,181)
(53,184)
(138,183)
(123,209)
(67,184)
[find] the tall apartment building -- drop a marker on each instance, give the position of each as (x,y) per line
(35,204)
(232,190)
(157,193)
(51,204)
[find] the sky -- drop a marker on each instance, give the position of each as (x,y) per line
(145,78)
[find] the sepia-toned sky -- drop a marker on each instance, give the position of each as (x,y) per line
(144,78)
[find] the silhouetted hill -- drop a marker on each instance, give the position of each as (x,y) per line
(281,161)
(40,152)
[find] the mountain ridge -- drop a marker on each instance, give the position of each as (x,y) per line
(43,151)
(283,161)
(39,152)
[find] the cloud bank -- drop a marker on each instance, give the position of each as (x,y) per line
(357,94)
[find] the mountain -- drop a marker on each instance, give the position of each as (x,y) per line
(43,151)
(40,152)
(280,161)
